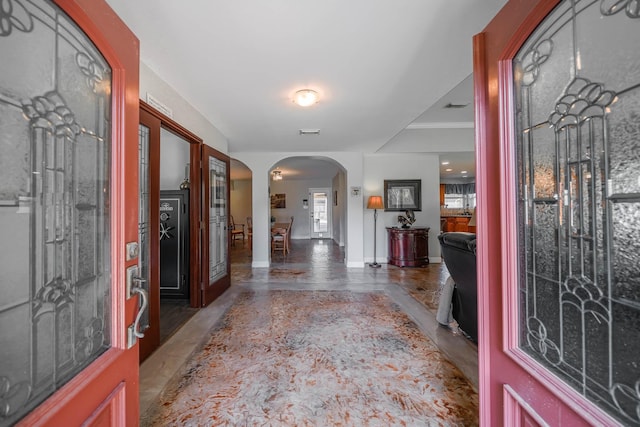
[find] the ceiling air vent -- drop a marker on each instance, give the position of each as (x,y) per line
(451,105)
(309,131)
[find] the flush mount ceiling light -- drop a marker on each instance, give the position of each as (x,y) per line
(277,175)
(306,97)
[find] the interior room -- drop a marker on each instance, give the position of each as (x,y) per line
(457,191)
(319,213)
(174,218)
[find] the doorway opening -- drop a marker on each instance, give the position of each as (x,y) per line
(323,216)
(241,211)
(169,214)
(320,214)
(174,216)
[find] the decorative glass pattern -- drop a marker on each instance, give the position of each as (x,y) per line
(577,105)
(55,96)
(217,220)
(144,217)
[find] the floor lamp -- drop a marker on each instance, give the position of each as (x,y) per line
(375,203)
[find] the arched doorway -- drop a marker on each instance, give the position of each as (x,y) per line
(312,190)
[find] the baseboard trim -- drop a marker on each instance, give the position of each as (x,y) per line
(260,264)
(435,259)
(355,264)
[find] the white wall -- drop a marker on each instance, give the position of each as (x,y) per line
(423,166)
(240,203)
(296,191)
(338,209)
(183,112)
(174,156)
(432,141)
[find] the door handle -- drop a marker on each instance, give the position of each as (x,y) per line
(134,284)
(144,296)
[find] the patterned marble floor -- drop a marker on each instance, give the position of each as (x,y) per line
(328,345)
(318,358)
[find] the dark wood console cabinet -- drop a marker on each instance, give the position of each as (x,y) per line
(408,247)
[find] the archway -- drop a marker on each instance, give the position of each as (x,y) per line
(291,183)
(350,204)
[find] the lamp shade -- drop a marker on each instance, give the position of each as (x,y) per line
(472,221)
(375,202)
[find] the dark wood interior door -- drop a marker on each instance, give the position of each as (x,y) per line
(148,225)
(557,92)
(69,207)
(215,236)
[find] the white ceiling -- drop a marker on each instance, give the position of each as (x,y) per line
(379,65)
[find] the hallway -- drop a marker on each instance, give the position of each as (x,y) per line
(315,265)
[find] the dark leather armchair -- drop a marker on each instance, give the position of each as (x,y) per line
(459,253)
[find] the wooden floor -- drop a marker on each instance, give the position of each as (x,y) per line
(173,314)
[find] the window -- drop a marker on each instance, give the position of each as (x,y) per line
(460,196)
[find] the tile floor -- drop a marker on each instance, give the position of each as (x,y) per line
(312,266)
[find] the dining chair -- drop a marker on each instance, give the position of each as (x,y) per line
(279,240)
(237,230)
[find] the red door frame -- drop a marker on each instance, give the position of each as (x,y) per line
(106,392)
(514,389)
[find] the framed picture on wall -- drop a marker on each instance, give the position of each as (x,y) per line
(278,201)
(402,194)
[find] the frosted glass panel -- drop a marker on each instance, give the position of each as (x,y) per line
(217,220)
(577,97)
(320,219)
(55,286)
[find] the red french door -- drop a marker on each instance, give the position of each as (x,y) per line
(68,214)
(216,269)
(557,88)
